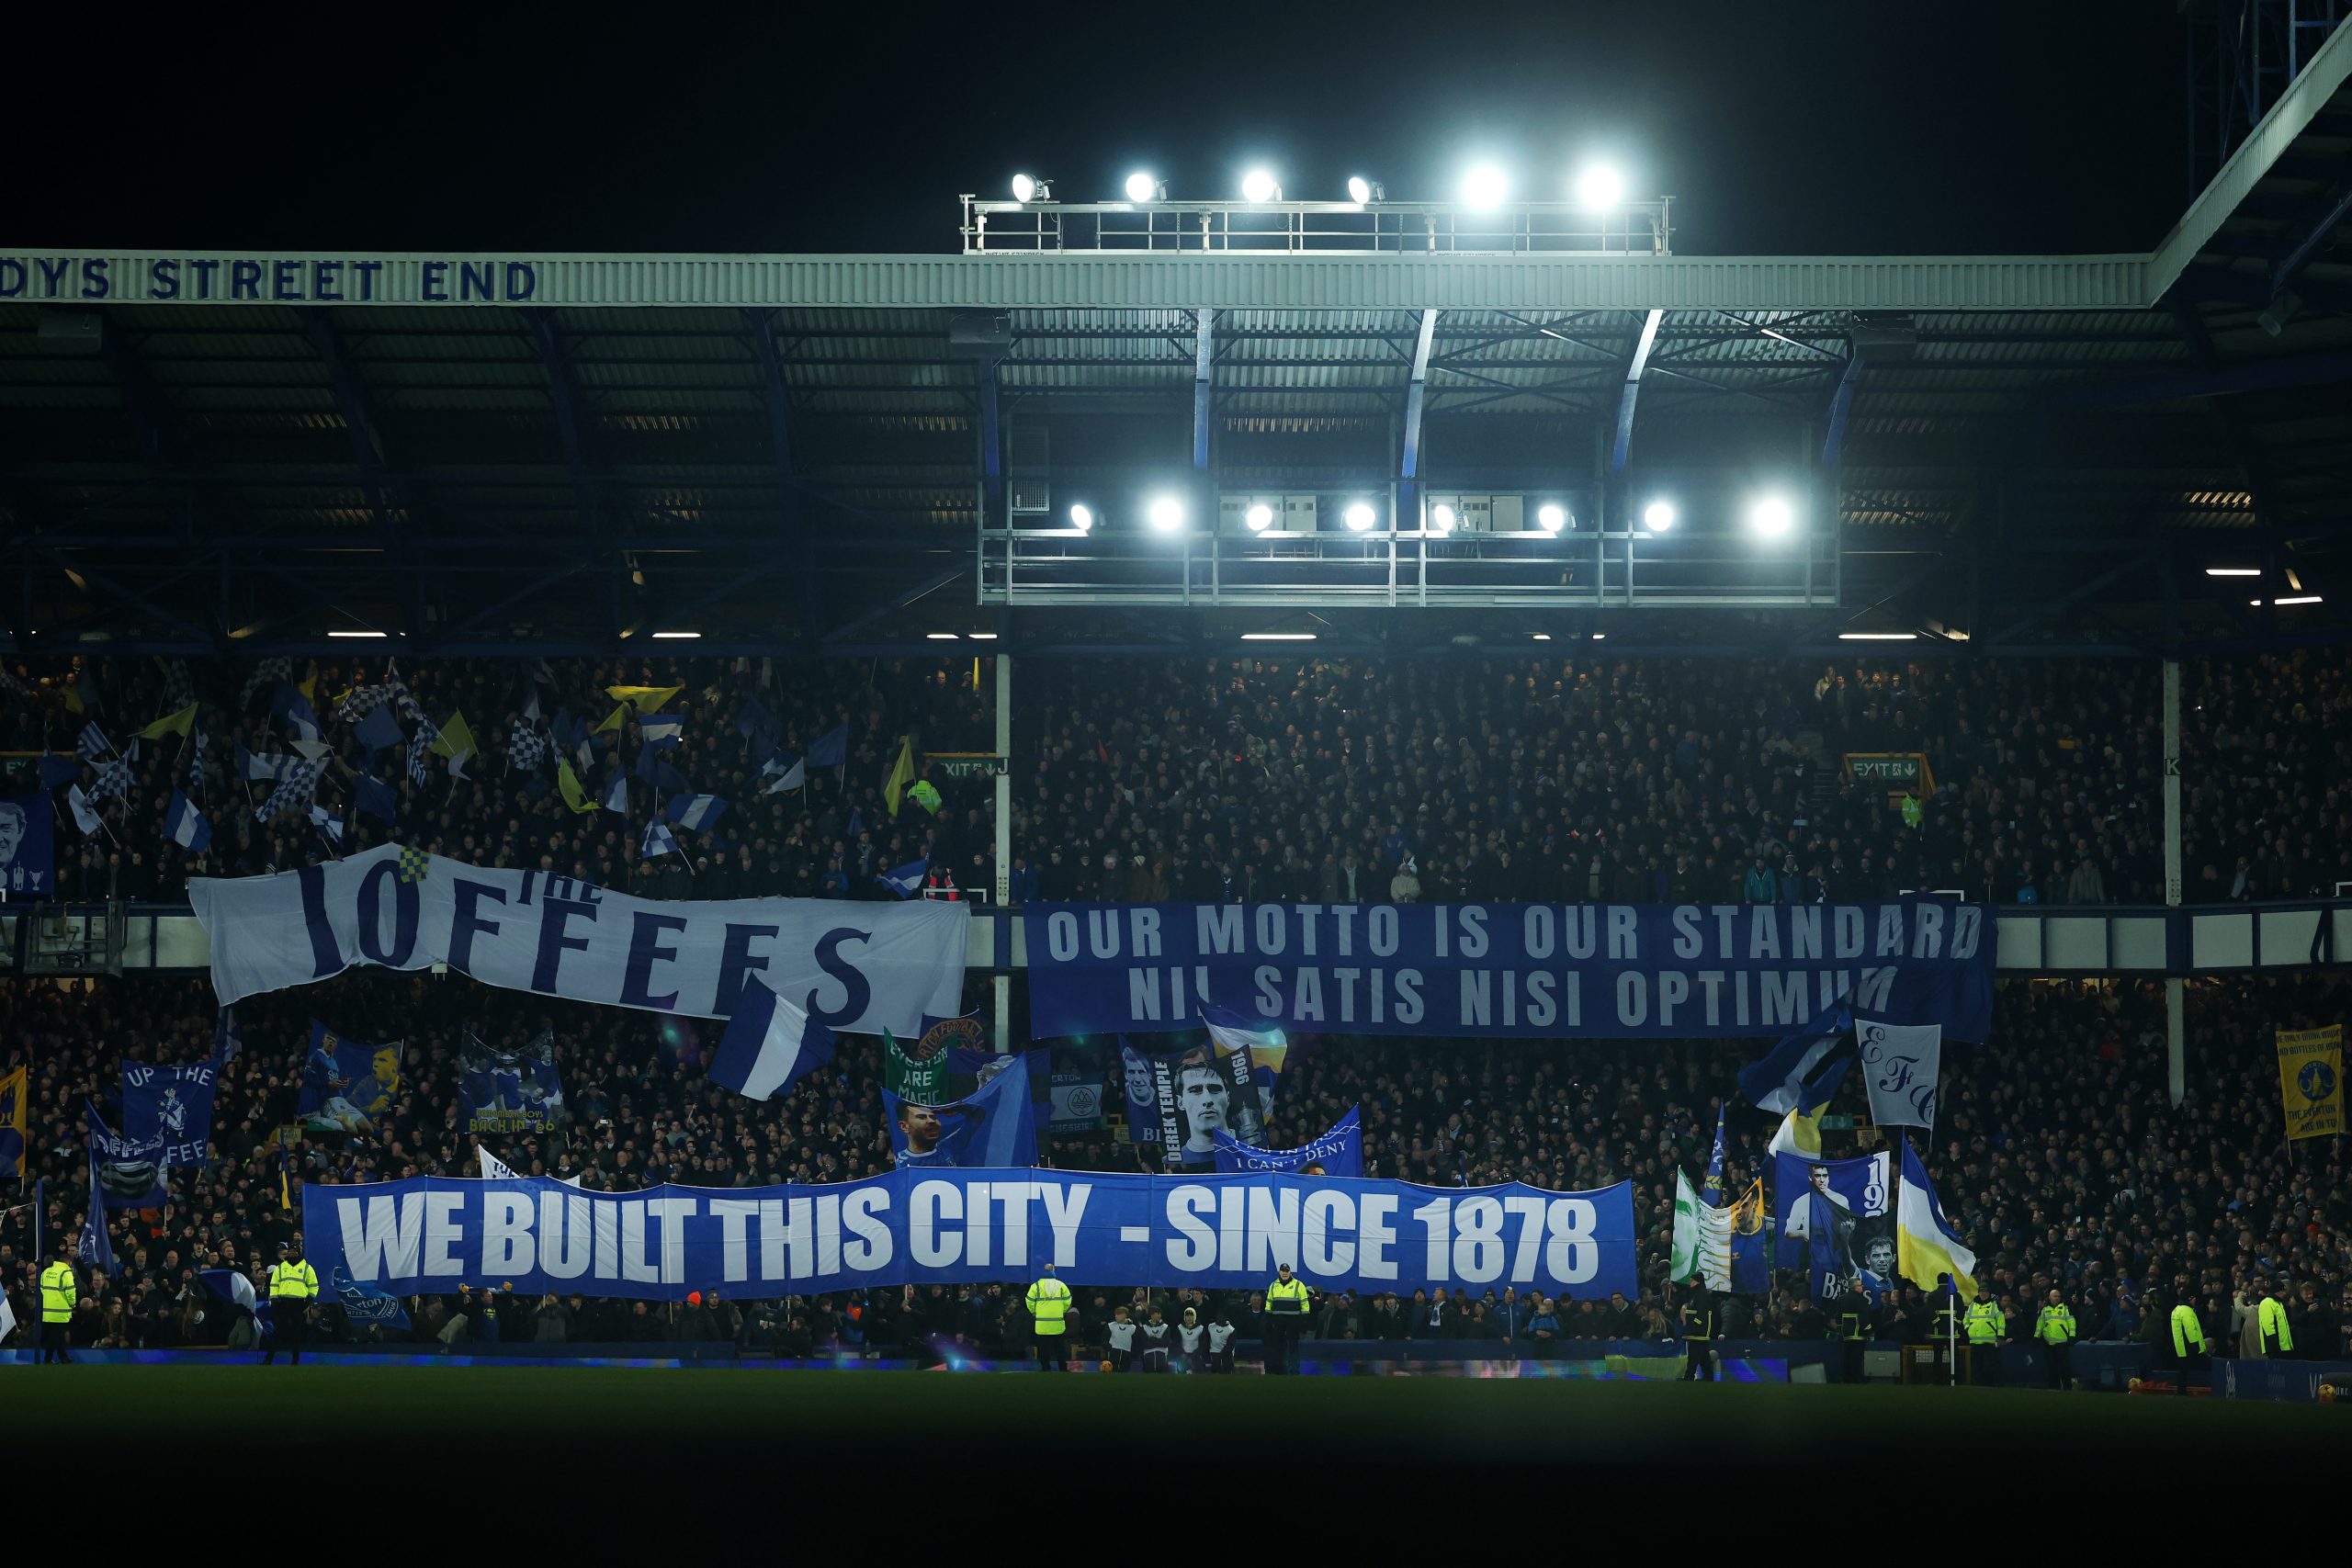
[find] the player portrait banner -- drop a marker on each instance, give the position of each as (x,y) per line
(2311,1080)
(857,967)
(28,843)
(1544,971)
(1338,1152)
(170,1109)
(431,1235)
(1836,1223)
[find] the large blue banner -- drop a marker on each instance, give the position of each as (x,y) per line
(1338,1152)
(1543,971)
(1836,1223)
(170,1107)
(947,1227)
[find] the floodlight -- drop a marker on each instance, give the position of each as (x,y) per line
(1081,517)
(1600,188)
(1551,517)
(1659,516)
(1026,188)
(2233,572)
(1485,187)
(1141,187)
(1358,517)
(1259,185)
(1442,518)
(1361,190)
(1166,513)
(1770,517)
(1260,517)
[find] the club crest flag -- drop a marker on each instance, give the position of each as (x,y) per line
(170,1108)
(1902,1064)
(2311,1080)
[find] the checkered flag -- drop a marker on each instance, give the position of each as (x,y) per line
(526,748)
(360,701)
(178,689)
(293,791)
(196,766)
(414,865)
(268,673)
(114,781)
(420,753)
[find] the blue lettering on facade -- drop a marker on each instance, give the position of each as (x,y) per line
(289,279)
(437,281)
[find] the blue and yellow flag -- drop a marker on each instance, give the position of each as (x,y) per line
(2311,1080)
(645,699)
(13,1090)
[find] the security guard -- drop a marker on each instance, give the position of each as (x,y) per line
(1699,1337)
(1286,1320)
(2187,1343)
(2054,1326)
(2278,1338)
(1987,1325)
(58,1288)
(1049,1304)
(1854,1332)
(293,1286)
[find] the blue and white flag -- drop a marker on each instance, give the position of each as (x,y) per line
(1836,1223)
(228,1044)
(653,767)
(92,744)
(170,1108)
(366,1303)
(230,1285)
(830,749)
(698,812)
(376,798)
(1772,1082)
(658,841)
(770,1044)
(379,731)
(662,729)
(995,1128)
(185,826)
(83,817)
(753,718)
(907,880)
(293,792)
(275,765)
(94,1247)
(1711,1191)
(289,707)
(1902,1065)
(329,824)
(56,769)
(113,782)
(793,777)
(1338,1152)
(616,795)
(130,1175)
(28,842)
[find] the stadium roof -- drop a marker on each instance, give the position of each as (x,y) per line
(224,451)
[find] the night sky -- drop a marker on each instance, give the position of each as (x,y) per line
(1886,125)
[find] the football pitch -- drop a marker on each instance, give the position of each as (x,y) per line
(223,1416)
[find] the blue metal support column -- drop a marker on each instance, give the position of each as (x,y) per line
(1203,383)
(776,393)
(1841,405)
(992,502)
(1408,467)
(1632,391)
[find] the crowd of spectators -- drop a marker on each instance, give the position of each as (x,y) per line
(2058,1154)
(1208,780)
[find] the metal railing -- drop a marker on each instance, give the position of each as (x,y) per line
(1317,227)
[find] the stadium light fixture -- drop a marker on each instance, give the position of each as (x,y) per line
(1442,518)
(1166,513)
(1258,184)
(1771,517)
(1027,188)
(1600,188)
(1358,517)
(675,636)
(1259,518)
(364,634)
(2291,599)
(1659,516)
(1486,186)
(1361,190)
(1141,187)
(1551,517)
(1081,517)
(981,637)
(1277,636)
(1543,636)
(1878,637)
(1600,636)
(2233,572)
(939,637)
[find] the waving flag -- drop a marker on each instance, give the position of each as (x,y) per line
(367,1304)
(616,795)
(113,781)
(568,782)
(272,767)
(658,841)
(645,699)
(230,1285)
(171,724)
(289,706)
(698,812)
(92,744)
(526,748)
(770,1044)
(94,1247)
(379,730)
(1928,1243)
(84,817)
(1800,1130)
(1771,1081)
(794,777)
(1902,1066)
(1712,1189)
(1702,1246)
(185,827)
(665,730)
(15,1088)
(454,739)
(377,799)
(293,791)
(830,749)
(906,881)
(901,775)
(995,1127)
(129,1174)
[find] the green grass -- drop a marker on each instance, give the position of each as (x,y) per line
(1351,1420)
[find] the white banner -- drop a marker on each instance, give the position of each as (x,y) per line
(1903,1064)
(859,967)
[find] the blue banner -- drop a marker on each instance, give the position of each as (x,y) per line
(170,1107)
(1836,1223)
(511,1089)
(1539,971)
(129,1173)
(995,1126)
(366,1303)
(347,1084)
(27,841)
(431,1235)
(1338,1152)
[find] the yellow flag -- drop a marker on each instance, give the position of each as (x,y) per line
(569,783)
(170,723)
(309,689)
(13,1093)
(611,725)
(646,699)
(902,774)
(455,737)
(2311,1080)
